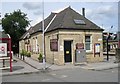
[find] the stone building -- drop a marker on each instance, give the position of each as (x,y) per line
(63,31)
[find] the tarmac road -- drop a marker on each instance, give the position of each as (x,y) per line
(67,75)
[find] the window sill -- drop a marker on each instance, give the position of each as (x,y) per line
(89,52)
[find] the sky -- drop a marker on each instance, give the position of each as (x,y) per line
(104,14)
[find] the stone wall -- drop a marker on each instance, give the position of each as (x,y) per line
(21,45)
(78,36)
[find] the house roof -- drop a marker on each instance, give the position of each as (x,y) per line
(28,32)
(64,20)
(38,27)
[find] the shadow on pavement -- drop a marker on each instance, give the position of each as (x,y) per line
(14,68)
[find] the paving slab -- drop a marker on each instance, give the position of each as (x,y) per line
(100,66)
(90,66)
(18,67)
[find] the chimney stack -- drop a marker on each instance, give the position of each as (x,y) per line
(83,12)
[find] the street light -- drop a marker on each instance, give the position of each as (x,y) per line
(107,44)
(44,63)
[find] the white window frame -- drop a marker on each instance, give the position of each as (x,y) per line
(90,43)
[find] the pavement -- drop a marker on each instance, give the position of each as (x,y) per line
(18,67)
(102,65)
(30,65)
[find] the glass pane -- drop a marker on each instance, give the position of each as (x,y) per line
(87,45)
(87,38)
(79,21)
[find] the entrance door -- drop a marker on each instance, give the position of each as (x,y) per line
(67,51)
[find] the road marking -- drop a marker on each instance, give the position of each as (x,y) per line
(63,76)
(112,71)
(46,80)
(53,74)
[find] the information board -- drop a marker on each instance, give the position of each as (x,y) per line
(97,48)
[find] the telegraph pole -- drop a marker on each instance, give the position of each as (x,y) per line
(107,48)
(107,43)
(44,63)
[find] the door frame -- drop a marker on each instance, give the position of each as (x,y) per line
(70,52)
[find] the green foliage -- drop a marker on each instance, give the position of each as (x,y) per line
(40,57)
(25,53)
(15,25)
(28,54)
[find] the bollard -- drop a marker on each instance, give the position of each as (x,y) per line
(23,57)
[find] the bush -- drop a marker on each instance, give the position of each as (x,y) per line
(28,54)
(25,53)
(40,57)
(22,52)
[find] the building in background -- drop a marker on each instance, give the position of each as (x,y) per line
(112,42)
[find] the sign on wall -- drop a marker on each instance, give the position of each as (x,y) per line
(61,48)
(53,44)
(79,46)
(3,49)
(97,48)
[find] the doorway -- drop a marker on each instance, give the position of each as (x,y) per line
(67,51)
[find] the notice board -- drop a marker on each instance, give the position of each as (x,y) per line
(53,44)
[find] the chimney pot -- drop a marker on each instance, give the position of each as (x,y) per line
(83,12)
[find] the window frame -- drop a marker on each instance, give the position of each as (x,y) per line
(90,43)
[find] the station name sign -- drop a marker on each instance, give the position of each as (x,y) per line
(3,49)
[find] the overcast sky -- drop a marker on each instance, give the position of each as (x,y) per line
(104,14)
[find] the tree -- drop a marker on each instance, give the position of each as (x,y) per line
(15,25)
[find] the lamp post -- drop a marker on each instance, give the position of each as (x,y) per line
(44,63)
(107,47)
(107,44)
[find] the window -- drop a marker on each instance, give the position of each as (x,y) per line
(81,22)
(88,42)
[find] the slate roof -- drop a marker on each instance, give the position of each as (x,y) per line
(29,31)
(38,26)
(65,20)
